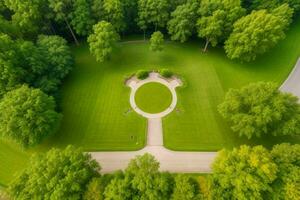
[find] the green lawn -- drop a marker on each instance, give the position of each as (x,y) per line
(153,97)
(97,114)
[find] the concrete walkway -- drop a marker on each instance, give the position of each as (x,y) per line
(292,83)
(172,161)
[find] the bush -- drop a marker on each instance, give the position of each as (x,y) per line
(166,73)
(142,74)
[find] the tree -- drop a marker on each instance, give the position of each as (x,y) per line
(29,16)
(211,28)
(57,174)
(58,59)
(152,13)
(102,40)
(114,13)
(10,71)
(95,190)
(27,116)
(62,10)
(146,180)
(81,17)
(256,33)
(287,158)
(185,189)
(183,20)
(217,18)
(156,41)
(260,109)
(243,173)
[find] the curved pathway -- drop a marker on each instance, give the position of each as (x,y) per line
(172,161)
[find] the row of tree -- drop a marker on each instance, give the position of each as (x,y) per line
(30,72)
(246,28)
(242,173)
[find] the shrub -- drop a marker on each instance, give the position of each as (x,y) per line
(166,73)
(142,74)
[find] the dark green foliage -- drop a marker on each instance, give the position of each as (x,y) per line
(42,65)
(287,185)
(243,173)
(152,13)
(58,174)
(185,188)
(81,17)
(260,109)
(142,74)
(114,13)
(27,116)
(166,73)
(58,62)
(182,23)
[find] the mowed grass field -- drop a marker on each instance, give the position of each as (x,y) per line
(153,98)
(97,114)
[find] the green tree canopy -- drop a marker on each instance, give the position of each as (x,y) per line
(95,190)
(156,41)
(58,62)
(27,116)
(141,180)
(185,188)
(58,174)
(260,109)
(287,158)
(114,13)
(257,32)
(152,13)
(217,18)
(102,40)
(183,20)
(243,173)
(81,17)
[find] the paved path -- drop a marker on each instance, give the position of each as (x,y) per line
(173,161)
(292,83)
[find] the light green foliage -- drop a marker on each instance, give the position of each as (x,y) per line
(81,17)
(102,40)
(166,73)
(185,188)
(7,27)
(243,173)
(141,180)
(256,33)
(211,27)
(27,116)
(95,190)
(114,13)
(156,41)
(152,13)
(221,14)
(287,185)
(183,20)
(259,109)
(58,174)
